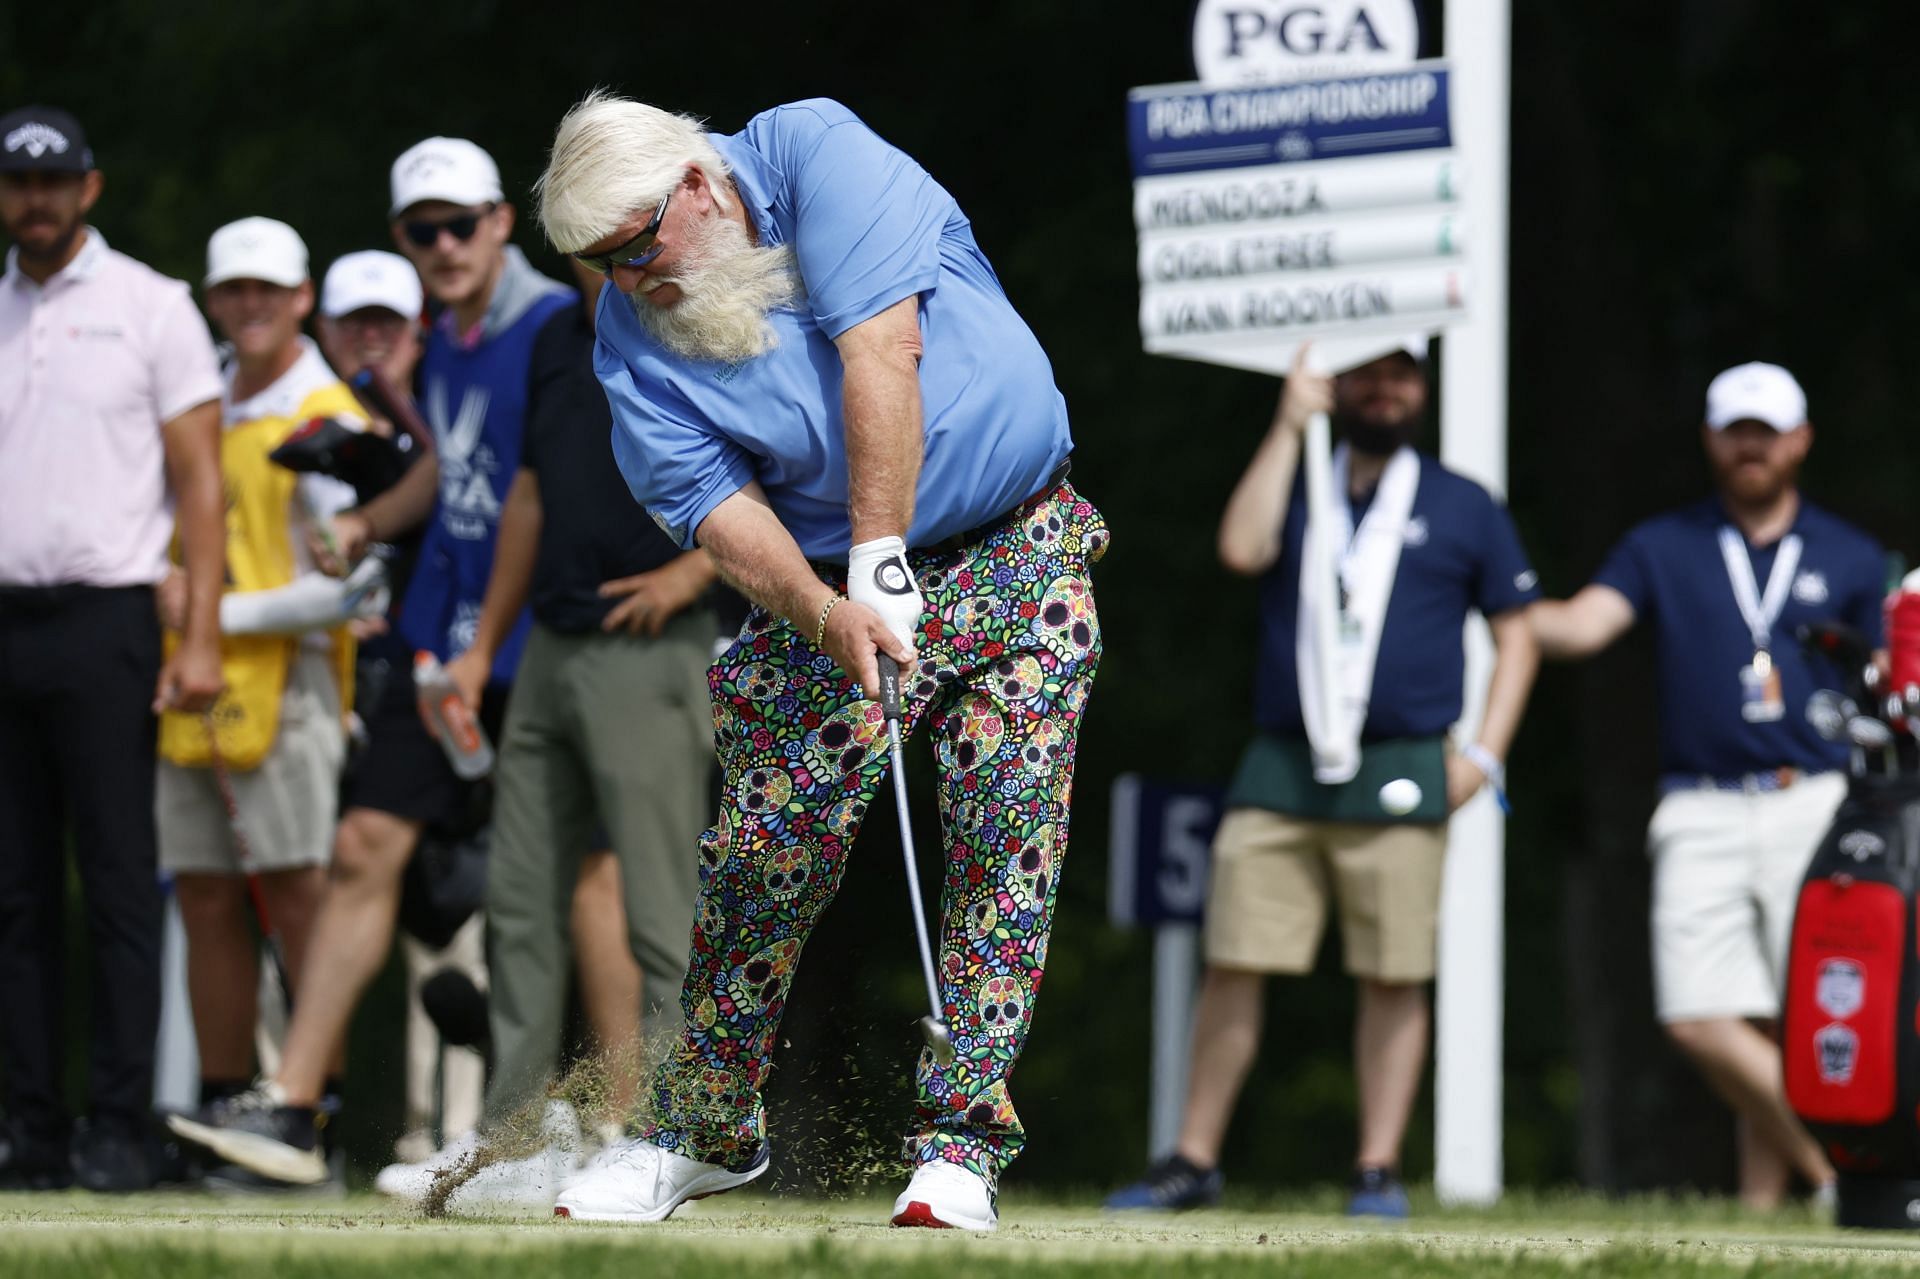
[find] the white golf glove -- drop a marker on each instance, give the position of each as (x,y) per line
(878,577)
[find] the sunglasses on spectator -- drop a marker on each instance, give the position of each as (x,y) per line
(638,251)
(461,227)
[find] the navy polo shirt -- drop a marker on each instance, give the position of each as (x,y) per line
(1671,570)
(1461,553)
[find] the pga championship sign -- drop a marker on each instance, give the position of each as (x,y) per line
(1275,210)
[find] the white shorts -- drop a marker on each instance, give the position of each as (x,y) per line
(287,805)
(1726,876)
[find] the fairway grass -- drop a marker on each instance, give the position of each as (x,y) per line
(79,1236)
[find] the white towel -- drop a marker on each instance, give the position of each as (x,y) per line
(1335,649)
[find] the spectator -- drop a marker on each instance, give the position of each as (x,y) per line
(1413,548)
(450,220)
(109,397)
(370,320)
(371,307)
(619,639)
(275,741)
(1747,786)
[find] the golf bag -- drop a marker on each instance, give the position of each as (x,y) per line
(1849,1043)
(1850,1023)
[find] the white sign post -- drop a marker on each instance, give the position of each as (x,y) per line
(1468,1057)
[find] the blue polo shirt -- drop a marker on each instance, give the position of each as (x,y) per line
(1671,570)
(1461,553)
(869,227)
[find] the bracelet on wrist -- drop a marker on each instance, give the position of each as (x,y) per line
(1495,771)
(820,627)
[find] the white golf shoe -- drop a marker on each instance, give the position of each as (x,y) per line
(531,1181)
(637,1181)
(946,1196)
(412,1181)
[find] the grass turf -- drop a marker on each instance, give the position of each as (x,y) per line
(67,1236)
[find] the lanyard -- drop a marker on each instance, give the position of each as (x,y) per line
(1758,611)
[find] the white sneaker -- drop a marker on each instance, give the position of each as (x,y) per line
(946,1196)
(511,1183)
(411,1182)
(637,1181)
(514,1184)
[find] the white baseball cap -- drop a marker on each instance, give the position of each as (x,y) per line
(257,249)
(1756,392)
(450,169)
(371,278)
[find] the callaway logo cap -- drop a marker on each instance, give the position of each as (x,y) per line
(256,249)
(1759,393)
(371,278)
(450,169)
(46,139)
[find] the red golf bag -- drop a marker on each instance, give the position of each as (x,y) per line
(1850,1024)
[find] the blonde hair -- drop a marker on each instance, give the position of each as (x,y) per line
(613,157)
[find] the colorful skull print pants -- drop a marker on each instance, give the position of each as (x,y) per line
(1008,647)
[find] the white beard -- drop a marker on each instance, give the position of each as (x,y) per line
(727,288)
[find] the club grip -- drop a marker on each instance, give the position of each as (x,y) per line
(889,686)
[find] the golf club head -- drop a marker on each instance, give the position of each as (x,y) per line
(1865,731)
(1825,715)
(938,1039)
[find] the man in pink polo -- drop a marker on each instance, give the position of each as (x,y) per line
(109,427)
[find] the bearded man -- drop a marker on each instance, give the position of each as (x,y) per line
(110,426)
(1747,786)
(1361,818)
(816,376)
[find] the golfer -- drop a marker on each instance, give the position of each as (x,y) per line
(815,375)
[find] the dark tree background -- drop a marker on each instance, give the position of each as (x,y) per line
(1695,183)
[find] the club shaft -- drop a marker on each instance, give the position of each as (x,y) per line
(913,869)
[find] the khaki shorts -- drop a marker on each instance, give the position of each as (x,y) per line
(287,805)
(1267,904)
(1726,878)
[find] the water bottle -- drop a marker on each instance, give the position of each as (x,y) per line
(460,734)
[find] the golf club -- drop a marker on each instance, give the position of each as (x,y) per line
(932,1028)
(243,851)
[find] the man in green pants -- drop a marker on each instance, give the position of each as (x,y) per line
(609,726)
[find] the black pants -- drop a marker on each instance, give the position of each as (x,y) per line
(77,671)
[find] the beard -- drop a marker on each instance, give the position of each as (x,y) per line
(728,286)
(24,235)
(1379,439)
(1754,486)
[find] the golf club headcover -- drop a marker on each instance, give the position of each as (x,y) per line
(878,577)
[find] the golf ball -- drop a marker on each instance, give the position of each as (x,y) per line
(1400,796)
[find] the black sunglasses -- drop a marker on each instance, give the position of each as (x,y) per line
(638,251)
(461,227)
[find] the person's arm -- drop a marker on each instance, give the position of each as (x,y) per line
(1516,660)
(191,679)
(753,551)
(655,597)
(880,401)
(1572,629)
(1249,540)
(393,514)
(514,552)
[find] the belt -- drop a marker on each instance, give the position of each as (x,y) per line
(41,599)
(980,532)
(1761,783)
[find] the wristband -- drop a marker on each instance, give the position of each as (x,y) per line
(1496,772)
(820,627)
